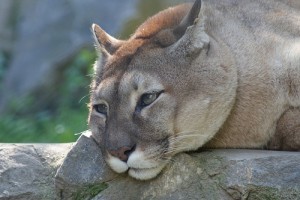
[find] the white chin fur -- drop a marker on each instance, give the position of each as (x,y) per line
(117,165)
(145,174)
(139,167)
(137,160)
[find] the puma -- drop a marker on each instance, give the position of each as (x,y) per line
(215,74)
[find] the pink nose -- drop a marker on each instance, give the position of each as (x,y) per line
(122,153)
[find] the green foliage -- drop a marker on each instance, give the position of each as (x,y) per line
(43,127)
(90,191)
(61,122)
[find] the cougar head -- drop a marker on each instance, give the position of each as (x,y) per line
(161,92)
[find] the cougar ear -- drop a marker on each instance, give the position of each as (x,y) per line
(104,42)
(189,19)
(190,34)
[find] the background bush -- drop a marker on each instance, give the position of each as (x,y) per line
(64,119)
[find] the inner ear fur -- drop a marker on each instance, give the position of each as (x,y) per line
(106,43)
(166,37)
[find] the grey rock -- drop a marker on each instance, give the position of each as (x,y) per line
(217,174)
(82,168)
(27,170)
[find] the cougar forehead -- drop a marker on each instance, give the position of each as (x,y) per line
(135,81)
(140,82)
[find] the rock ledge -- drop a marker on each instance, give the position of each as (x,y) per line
(29,171)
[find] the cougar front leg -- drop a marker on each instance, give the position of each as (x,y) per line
(287,135)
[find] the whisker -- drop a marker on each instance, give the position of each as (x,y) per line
(84,97)
(91,75)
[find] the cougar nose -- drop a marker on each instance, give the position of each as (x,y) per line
(122,153)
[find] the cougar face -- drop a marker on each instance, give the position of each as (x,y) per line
(133,116)
(132,133)
(158,93)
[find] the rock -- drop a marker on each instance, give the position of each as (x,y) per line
(217,174)
(27,170)
(82,169)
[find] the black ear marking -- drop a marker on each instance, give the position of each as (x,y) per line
(190,33)
(189,19)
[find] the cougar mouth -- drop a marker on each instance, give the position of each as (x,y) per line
(138,166)
(135,171)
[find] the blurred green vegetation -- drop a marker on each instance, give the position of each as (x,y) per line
(31,120)
(54,124)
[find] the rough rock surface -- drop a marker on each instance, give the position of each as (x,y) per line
(27,170)
(217,174)
(83,168)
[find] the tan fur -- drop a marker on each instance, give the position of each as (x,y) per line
(229,78)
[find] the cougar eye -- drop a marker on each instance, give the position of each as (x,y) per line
(149,98)
(101,108)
